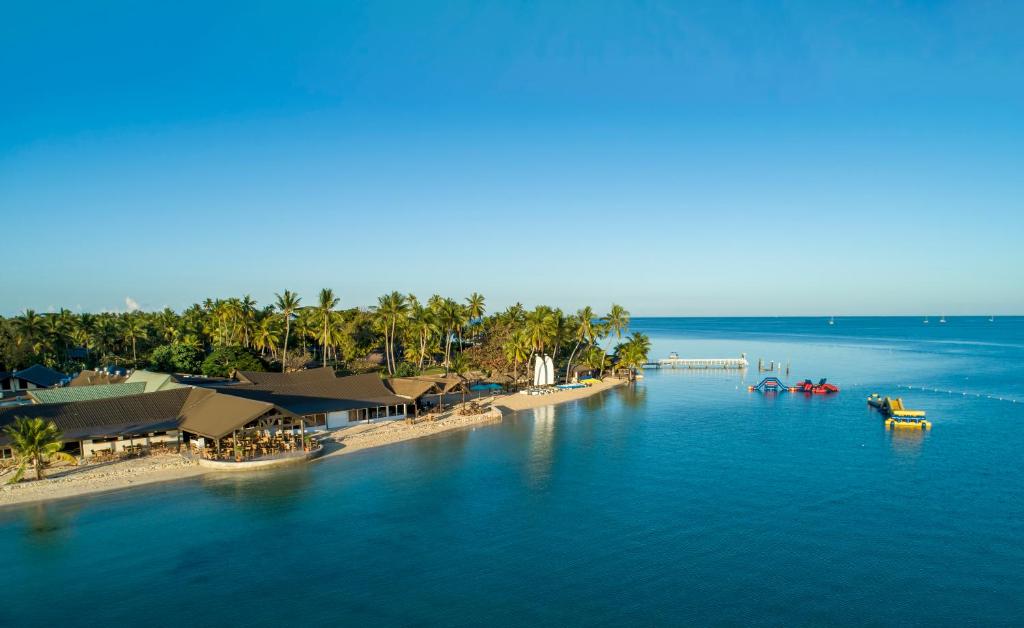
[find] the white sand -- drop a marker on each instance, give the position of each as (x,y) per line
(517,401)
(360,437)
(67,481)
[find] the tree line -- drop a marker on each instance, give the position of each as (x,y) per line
(400,335)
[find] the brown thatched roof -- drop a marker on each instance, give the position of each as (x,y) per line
(443,383)
(94,378)
(412,387)
(215,415)
(258,378)
(314,391)
(130,415)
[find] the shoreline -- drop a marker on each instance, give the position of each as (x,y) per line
(93,479)
(515,402)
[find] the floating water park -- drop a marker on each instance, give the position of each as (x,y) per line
(897,416)
(774,384)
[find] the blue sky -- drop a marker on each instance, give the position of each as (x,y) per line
(679,158)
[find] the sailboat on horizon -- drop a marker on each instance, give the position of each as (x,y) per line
(926,319)
(942,319)
(831,320)
(991,318)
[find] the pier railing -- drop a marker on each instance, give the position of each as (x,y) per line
(699,363)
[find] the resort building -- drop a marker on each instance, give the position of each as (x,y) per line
(323,400)
(154,382)
(37,376)
(97,377)
(195,416)
(251,415)
(66,394)
(428,390)
(112,424)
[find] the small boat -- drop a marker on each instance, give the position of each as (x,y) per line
(925,320)
(831,320)
(942,319)
(991,319)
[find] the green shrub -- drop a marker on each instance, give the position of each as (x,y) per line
(223,360)
(176,358)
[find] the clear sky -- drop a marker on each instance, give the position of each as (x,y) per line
(679,158)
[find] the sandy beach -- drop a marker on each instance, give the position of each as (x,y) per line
(361,437)
(516,402)
(84,479)
(63,481)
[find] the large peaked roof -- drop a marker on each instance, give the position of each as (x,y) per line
(135,414)
(96,378)
(260,378)
(314,391)
(39,375)
(154,382)
(201,411)
(214,415)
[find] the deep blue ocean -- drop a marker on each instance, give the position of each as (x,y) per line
(684,499)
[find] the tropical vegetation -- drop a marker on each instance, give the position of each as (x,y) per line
(399,335)
(36,443)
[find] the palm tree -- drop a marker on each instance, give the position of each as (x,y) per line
(391,307)
(134,329)
(617,320)
(475,307)
(642,341)
(51,336)
(517,349)
(584,332)
(324,309)
(248,313)
(191,341)
(632,355)
(515,313)
(267,336)
(596,359)
(540,327)
(287,304)
(460,366)
(559,330)
(35,442)
(452,317)
(28,328)
(422,323)
(167,324)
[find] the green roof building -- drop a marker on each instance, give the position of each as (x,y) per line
(154,382)
(86,393)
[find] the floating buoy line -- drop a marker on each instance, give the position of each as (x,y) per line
(959,392)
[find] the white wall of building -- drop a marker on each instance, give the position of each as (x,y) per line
(89,447)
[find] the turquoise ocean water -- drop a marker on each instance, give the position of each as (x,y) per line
(682,500)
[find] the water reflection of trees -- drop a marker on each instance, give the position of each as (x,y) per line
(633,396)
(49,525)
(269,490)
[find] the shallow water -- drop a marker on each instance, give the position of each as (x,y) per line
(682,499)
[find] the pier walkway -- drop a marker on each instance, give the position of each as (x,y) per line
(675,362)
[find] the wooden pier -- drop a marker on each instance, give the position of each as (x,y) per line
(676,362)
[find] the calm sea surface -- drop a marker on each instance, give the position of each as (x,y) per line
(684,499)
